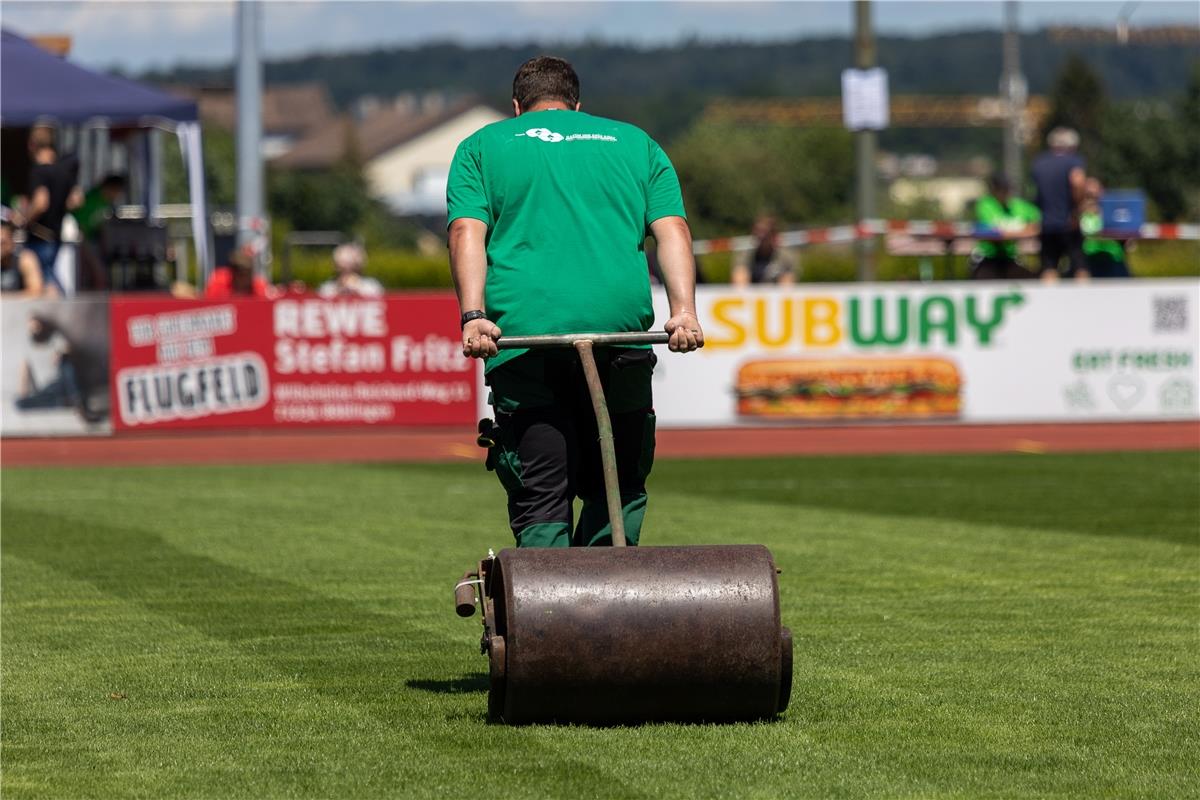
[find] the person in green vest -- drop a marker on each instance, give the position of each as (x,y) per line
(1105,258)
(97,205)
(548,216)
(1002,220)
(95,210)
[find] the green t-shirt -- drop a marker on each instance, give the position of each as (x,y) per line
(568,199)
(90,215)
(1017,213)
(1091,223)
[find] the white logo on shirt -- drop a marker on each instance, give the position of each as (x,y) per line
(547,135)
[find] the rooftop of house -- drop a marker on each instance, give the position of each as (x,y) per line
(377,133)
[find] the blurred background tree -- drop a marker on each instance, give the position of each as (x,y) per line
(731,173)
(220,170)
(1148,144)
(1077,100)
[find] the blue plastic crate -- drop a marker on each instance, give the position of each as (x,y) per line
(1123,210)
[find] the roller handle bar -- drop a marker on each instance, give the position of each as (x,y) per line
(569,339)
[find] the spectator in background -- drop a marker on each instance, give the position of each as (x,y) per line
(767,262)
(1002,219)
(1105,258)
(98,205)
(96,210)
(348,263)
(237,279)
(52,193)
(20,272)
(1059,175)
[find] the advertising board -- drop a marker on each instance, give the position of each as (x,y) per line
(54,373)
(294,361)
(970,352)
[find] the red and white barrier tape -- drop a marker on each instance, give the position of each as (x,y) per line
(937,229)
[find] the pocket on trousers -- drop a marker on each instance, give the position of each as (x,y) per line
(506,460)
(646,457)
(629,387)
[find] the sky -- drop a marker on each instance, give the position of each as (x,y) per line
(136,36)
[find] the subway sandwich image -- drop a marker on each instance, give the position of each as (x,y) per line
(899,387)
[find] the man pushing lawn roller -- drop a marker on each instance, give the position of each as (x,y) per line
(548,213)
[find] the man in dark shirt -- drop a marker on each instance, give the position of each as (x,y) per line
(1059,176)
(52,193)
(767,262)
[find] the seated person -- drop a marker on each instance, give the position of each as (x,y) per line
(348,261)
(1105,258)
(1002,219)
(767,262)
(21,274)
(237,279)
(97,206)
(96,209)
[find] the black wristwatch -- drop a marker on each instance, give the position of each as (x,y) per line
(471,315)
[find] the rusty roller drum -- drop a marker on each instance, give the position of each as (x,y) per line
(617,635)
(628,634)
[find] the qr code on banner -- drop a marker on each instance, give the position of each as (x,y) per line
(1170,314)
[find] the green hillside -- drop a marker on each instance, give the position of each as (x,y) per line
(663,88)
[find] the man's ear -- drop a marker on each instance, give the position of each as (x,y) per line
(577,106)
(516,108)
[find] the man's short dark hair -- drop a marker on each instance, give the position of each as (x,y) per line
(545,78)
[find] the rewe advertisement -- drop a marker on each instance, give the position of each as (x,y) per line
(293,361)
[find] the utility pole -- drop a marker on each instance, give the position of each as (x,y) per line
(1016,93)
(864,142)
(1123,21)
(251,220)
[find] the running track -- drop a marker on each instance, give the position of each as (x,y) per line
(457,444)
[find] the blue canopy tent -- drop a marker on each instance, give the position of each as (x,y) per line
(38,87)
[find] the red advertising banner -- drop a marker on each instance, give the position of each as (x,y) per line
(294,361)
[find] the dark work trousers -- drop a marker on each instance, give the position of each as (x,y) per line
(547,449)
(1055,245)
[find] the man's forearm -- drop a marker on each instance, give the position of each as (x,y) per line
(38,204)
(677,263)
(468,263)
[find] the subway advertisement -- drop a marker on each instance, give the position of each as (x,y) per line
(294,361)
(970,352)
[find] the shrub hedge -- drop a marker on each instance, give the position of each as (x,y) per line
(405,269)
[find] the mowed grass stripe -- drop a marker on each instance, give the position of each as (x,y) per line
(344,682)
(170,730)
(974,638)
(937,654)
(1136,494)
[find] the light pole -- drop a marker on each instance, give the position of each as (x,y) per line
(1015,91)
(252,224)
(864,143)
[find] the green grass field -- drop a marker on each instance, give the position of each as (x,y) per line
(967,626)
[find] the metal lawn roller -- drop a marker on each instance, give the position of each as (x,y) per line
(619,634)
